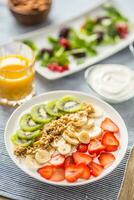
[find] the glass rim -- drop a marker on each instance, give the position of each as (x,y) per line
(31,61)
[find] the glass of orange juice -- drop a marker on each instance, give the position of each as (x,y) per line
(16,73)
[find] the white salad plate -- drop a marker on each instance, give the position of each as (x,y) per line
(40,39)
(12,126)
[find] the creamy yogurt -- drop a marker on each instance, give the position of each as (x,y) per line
(113,82)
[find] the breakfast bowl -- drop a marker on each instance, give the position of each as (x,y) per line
(95,122)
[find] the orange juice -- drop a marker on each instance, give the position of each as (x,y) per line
(16,77)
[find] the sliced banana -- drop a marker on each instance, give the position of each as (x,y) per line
(31,163)
(58,142)
(97,112)
(65,149)
(90,123)
(84,137)
(81,121)
(70,140)
(42,156)
(95,132)
(71,132)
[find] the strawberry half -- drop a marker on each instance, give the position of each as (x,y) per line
(96,169)
(58,174)
(95,146)
(68,161)
(110,142)
(82,148)
(109,125)
(81,158)
(73,172)
(86,171)
(57,160)
(46,171)
(106,159)
(65,43)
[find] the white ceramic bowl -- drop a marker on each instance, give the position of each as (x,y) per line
(110,112)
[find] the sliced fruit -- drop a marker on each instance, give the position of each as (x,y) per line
(70,140)
(46,171)
(40,115)
(122,29)
(86,171)
(27,123)
(42,156)
(110,142)
(28,135)
(93,155)
(69,104)
(73,173)
(95,146)
(81,158)
(96,169)
(106,159)
(82,148)
(90,123)
(68,161)
(58,142)
(97,112)
(84,137)
(57,160)
(109,125)
(52,109)
(58,174)
(17,141)
(31,163)
(95,132)
(64,149)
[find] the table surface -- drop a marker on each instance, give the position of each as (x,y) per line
(62,10)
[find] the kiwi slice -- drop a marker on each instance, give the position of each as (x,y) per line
(69,104)
(27,123)
(40,115)
(28,135)
(52,109)
(17,141)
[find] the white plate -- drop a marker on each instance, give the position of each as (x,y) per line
(40,38)
(109,111)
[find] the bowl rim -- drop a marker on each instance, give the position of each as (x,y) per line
(60,184)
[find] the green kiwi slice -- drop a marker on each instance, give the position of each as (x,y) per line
(69,104)
(17,141)
(52,109)
(40,115)
(27,123)
(28,135)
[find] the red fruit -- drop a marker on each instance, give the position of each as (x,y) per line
(93,155)
(81,158)
(46,171)
(110,141)
(96,169)
(82,148)
(52,66)
(106,159)
(58,174)
(122,30)
(65,43)
(73,172)
(86,171)
(109,125)
(57,160)
(95,146)
(68,161)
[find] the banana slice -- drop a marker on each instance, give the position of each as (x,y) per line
(90,123)
(31,163)
(98,112)
(42,156)
(70,140)
(81,121)
(58,142)
(71,133)
(65,149)
(84,137)
(95,132)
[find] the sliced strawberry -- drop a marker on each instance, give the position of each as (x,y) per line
(57,160)
(109,125)
(46,171)
(68,161)
(110,141)
(82,148)
(122,29)
(81,158)
(93,155)
(65,43)
(73,172)
(96,169)
(95,146)
(86,171)
(106,159)
(58,174)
